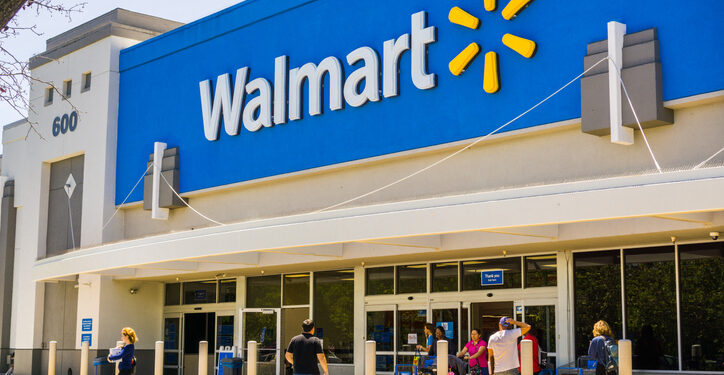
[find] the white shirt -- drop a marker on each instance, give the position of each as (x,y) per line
(505,349)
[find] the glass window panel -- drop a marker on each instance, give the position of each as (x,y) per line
(465,332)
(334,317)
(227,290)
(702,297)
(173,294)
(412,279)
(410,321)
(380,280)
(296,289)
(543,322)
(651,307)
(380,328)
(386,363)
(444,277)
(263,291)
(171,329)
(199,292)
(472,269)
(597,294)
(448,318)
(540,270)
(224,331)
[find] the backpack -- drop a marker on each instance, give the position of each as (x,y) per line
(611,363)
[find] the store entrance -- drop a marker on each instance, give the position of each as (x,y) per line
(198,327)
(486,316)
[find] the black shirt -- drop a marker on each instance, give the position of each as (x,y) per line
(304,349)
(450,347)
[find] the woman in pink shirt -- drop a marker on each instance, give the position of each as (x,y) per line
(476,352)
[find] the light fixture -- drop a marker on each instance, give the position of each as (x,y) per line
(133,290)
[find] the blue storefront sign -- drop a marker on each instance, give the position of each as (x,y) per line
(491,277)
(232,90)
(449,328)
(87,337)
(86,325)
(200,295)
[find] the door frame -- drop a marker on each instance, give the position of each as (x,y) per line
(180,350)
(244,343)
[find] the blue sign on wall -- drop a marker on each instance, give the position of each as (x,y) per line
(86,325)
(491,277)
(87,337)
(160,97)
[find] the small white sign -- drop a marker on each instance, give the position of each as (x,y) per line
(412,338)
(115,351)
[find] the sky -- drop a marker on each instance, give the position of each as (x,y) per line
(49,25)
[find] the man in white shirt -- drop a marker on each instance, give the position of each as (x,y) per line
(503,347)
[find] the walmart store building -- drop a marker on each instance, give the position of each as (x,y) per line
(296,130)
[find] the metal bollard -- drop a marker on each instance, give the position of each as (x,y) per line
(442,364)
(203,357)
(526,357)
(252,358)
(370,357)
(52,348)
(158,364)
(624,357)
(84,358)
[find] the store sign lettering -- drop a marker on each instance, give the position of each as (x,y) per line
(65,123)
(283,102)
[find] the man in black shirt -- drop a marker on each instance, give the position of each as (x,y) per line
(305,350)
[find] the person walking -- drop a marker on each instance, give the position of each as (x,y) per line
(128,350)
(429,338)
(597,348)
(476,352)
(503,347)
(305,351)
(536,352)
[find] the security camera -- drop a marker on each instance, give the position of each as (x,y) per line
(714,235)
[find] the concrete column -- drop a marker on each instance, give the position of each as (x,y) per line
(442,364)
(203,357)
(625,363)
(158,363)
(52,348)
(251,358)
(370,357)
(526,357)
(84,358)
(360,334)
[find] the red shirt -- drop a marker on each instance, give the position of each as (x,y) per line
(536,354)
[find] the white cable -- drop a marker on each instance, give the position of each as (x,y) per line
(188,205)
(628,98)
(127,196)
(710,157)
(480,139)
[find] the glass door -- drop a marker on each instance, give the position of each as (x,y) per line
(172,344)
(262,326)
(380,326)
(542,319)
(224,336)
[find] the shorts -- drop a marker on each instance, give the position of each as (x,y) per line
(513,371)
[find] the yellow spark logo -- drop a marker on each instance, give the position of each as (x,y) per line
(491,76)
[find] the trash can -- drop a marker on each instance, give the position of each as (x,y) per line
(232,366)
(103,367)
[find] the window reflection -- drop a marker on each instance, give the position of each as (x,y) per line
(444,277)
(540,270)
(296,289)
(410,322)
(263,291)
(597,294)
(380,280)
(412,279)
(380,329)
(199,292)
(702,297)
(334,315)
(543,322)
(651,307)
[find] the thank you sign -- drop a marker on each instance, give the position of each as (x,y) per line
(491,277)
